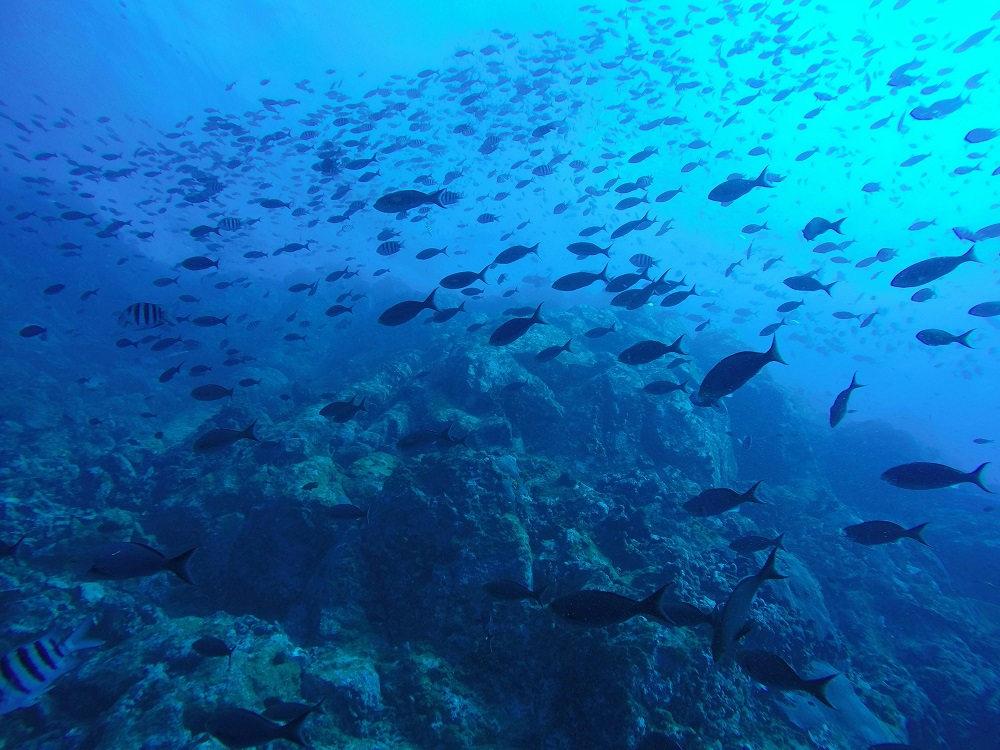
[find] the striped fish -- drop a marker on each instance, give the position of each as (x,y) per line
(142,315)
(29,671)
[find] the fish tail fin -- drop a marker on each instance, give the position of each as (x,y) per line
(778,541)
(566,346)
(915,533)
(684,385)
(963,338)
(429,301)
(179,566)
(817,689)
(652,604)
(976,477)
(773,355)
(603,275)
(78,640)
(676,346)
(536,317)
(769,572)
(855,383)
(835,226)
(461,306)
(248,432)
(14,550)
(613,329)
(750,497)
(435,198)
(482,274)
(761,180)
(828,287)
(292,731)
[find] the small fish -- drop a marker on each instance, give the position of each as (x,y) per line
(871,533)
(511,330)
(213,647)
(215,440)
(774,673)
(124,560)
(839,408)
(717,500)
(591,608)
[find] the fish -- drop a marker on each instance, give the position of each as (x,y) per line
(462,279)
(515,253)
(511,330)
(347,512)
(732,373)
(839,408)
(871,533)
(731,620)
(32,330)
(579,280)
(30,670)
(734,188)
(215,440)
(551,352)
(925,271)
(343,411)
(717,500)
(937,337)
(211,392)
(593,608)
(774,673)
(650,350)
(406,200)
(403,312)
(663,387)
(422,441)
(754,543)
(240,728)
(142,316)
(213,647)
(199,263)
(599,332)
(123,560)
(819,225)
(807,283)
(932,476)
(985,310)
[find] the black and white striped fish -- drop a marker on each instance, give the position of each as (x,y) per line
(29,671)
(142,315)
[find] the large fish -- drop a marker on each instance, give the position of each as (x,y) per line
(123,560)
(404,200)
(601,608)
(923,475)
(774,673)
(716,500)
(871,533)
(732,373)
(29,671)
(237,727)
(731,620)
(650,350)
(926,271)
(214,440)
(839,408)
(511,330)
(403,312)
(730,190)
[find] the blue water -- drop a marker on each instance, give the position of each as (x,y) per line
(171,116)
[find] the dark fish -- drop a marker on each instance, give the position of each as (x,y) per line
(579,280)
(819,225)
(32,331)
(551,352)
(839,408)
(207,321)
(422,441)
(663,387)
(649,350)
(789,306)
(124,560)
(937,337)
(512,591)
(596,333)
(343,411)
(732,619)
(586,249)
(807,283)
(279,710)
(754,543)
(463,279)
(983,310)
(602,608)
(926,271)
(405,200)
(10,550)
(211,392)
(733,372)
(403,312)
(712,502)
(199,263)
(238,728)
(930,476)
(511,330)
(214,440)
(732,189)
(213,647)
(871,533)
(347,512)
(168,374)
(515,253)
(774,673)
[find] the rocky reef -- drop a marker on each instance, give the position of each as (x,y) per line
(570,475)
